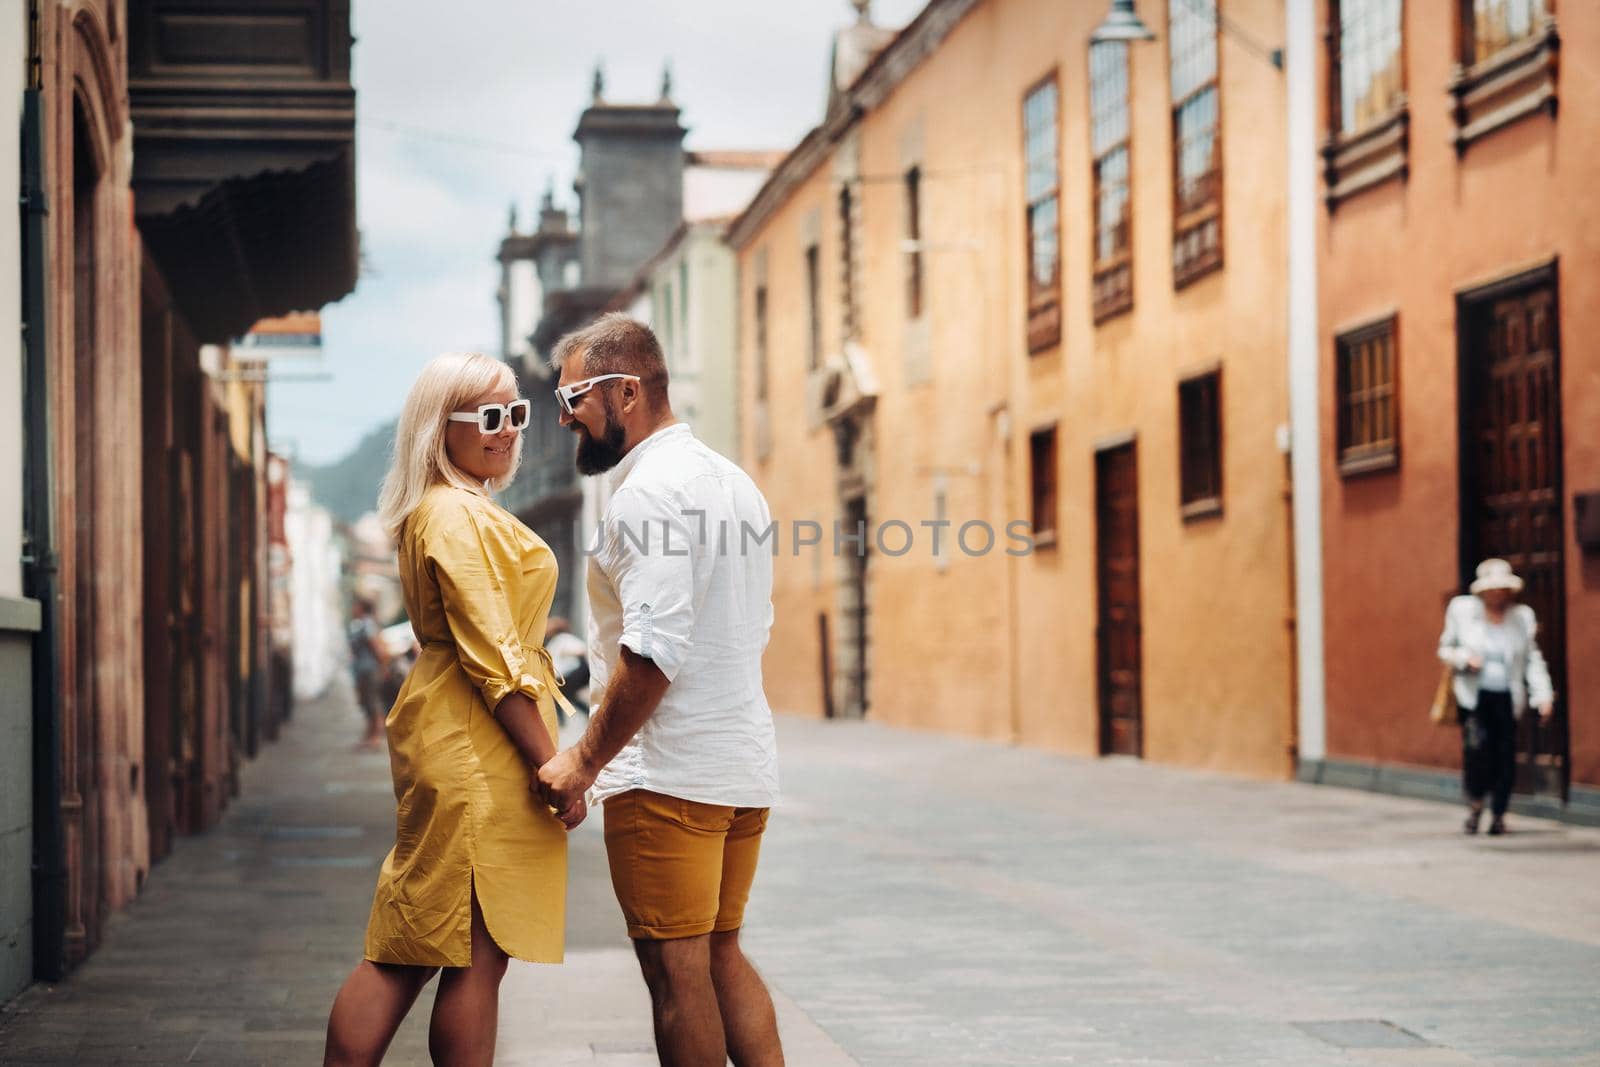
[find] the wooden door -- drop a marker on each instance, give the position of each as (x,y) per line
(161,568)
(82,803)
(854,605)
(1118,633)
(1511,487)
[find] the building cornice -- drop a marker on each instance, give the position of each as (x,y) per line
(899,58)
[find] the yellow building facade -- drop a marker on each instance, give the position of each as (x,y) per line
(1013,278)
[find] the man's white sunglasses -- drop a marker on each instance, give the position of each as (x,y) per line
(568,395)
(492,417)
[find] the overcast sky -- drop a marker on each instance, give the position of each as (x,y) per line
(463,109)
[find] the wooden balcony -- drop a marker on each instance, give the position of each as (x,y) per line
(244,154)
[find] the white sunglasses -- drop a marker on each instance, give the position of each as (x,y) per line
(491,417)
(566,395)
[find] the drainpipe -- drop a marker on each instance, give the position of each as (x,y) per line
(39,559)
(1300,35)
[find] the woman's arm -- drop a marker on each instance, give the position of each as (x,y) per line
(518,715)
(1541,693)
(474,567)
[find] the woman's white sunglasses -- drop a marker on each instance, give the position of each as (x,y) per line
(491,417)
(567,395)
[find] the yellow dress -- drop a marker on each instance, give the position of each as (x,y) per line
(478,586)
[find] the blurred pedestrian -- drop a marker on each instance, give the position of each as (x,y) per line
(403,652)
(571,655)
(478,870)
(368,661)
(1489,641)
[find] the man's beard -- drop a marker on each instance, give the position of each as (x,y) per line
(597,455)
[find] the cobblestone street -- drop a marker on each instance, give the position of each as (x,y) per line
(922,900)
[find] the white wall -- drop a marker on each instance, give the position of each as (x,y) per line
(714,334)
(710,192)
(319,645)
(524,300)
(1303,43)
(13,80)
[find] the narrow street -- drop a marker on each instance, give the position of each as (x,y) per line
(922,900)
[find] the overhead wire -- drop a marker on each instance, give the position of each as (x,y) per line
(422,133)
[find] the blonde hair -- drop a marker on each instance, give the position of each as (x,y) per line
(420,460)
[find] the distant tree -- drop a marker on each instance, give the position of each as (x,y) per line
(349,487)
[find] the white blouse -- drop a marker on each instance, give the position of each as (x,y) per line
(1497,649)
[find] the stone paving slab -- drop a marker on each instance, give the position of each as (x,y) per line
(933,900)
(921,900)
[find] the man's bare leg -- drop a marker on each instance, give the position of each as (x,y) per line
(370,1007)
(684,1001)
(466,1011)
(748,1018)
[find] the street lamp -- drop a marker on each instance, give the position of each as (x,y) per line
(1122,23)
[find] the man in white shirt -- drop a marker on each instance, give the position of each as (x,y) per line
(680,747)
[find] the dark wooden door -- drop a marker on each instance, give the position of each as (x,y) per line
(1118,634)
(82,803)
(855,610)
(1511,479)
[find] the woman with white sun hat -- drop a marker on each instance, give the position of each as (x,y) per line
(1489,641)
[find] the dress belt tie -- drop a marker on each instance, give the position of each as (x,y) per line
(543,654)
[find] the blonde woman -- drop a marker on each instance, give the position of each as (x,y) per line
(478,870)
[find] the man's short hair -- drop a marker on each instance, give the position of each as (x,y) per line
(617,344)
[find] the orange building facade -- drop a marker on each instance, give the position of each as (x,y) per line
(1460,386)
(1013,277)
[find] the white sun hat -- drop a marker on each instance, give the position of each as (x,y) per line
(1496,574)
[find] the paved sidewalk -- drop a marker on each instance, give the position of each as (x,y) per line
(922,900)
(233,952)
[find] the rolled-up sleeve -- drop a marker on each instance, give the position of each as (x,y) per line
(473,567)
(648,555)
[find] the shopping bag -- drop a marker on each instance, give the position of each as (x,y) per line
(1443,710)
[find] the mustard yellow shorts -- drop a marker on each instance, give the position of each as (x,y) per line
(681,868)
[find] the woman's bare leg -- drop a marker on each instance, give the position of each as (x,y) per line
(466,1011)
(370,1006)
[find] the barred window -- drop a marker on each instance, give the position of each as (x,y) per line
(1042,457)
(847,260)
(1113,213)
(1196,147)
(1367,397)
(1200,444)
(813,308)
(1366,60)
(914,242)
(1042,156)
(1490,26)
(761,342)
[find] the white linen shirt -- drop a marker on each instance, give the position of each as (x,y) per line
(673,577)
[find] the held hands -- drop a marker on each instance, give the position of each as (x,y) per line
(562,782)
(1474,663)
(573,816)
